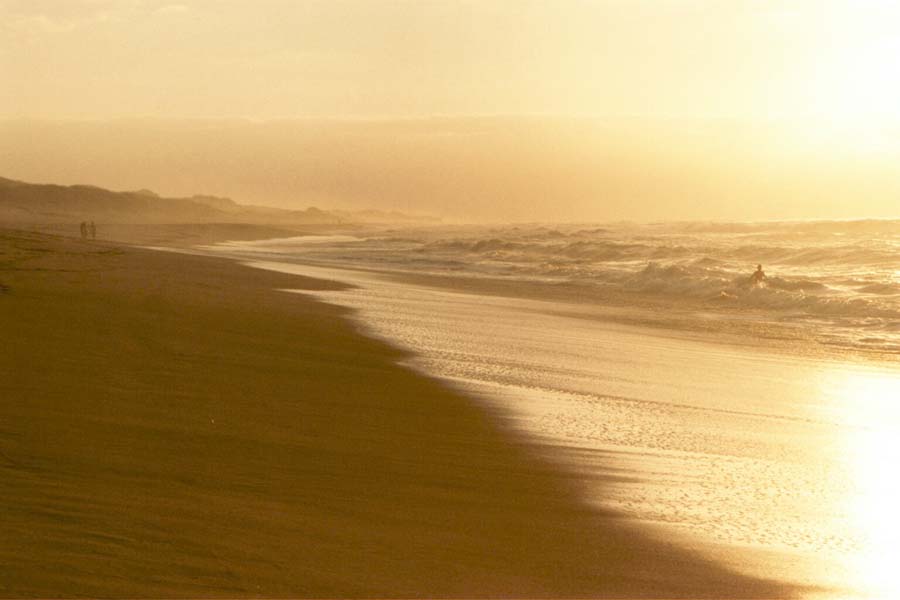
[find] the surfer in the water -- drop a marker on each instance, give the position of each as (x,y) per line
(759,276)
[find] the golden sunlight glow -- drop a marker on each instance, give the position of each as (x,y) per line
(477,110)
(873,454)
(859,67)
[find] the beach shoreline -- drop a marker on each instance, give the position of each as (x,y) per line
(178,427)
(704,320)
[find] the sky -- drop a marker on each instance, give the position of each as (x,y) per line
(826,71)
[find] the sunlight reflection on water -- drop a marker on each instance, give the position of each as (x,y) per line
(786,459)
(873,455)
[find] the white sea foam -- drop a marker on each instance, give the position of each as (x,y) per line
(838,280)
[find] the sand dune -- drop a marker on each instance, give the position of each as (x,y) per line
(62,207)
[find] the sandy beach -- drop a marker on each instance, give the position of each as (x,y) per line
(450,299)
(175,426)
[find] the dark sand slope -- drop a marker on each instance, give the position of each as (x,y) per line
(172,426)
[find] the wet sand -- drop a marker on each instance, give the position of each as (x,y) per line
(174,426)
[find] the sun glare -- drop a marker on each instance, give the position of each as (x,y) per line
(872,403)
(858,65)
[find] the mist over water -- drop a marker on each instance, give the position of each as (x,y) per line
(834,282)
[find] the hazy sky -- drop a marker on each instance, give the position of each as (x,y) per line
(701,78)
(288,58)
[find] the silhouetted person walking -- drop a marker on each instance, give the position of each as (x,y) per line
(759,276)
(93,231)
(84,230)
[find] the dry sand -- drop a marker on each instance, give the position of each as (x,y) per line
(172,425)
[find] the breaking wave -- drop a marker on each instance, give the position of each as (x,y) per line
(838,274)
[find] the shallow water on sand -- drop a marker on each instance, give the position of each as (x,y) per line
(780,465)
(837,283)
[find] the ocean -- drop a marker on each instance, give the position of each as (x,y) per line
(835,282)
(757,424)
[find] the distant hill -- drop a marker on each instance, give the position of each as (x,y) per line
(42,203)
(22,202)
